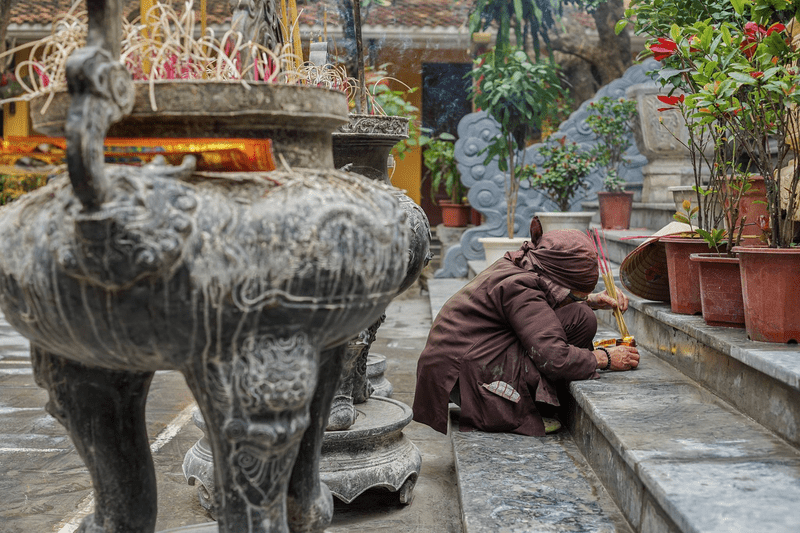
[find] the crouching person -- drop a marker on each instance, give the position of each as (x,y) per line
(501,344)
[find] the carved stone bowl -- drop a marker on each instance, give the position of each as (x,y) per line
(169,268)
(212,109)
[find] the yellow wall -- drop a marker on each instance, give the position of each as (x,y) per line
(406,66)
(17,123)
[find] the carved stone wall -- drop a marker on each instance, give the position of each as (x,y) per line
(487,184)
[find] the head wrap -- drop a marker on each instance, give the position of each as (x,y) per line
(567,257)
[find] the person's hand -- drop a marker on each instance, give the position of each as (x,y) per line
(623,357)
(603,300)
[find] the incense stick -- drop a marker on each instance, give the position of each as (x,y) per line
(608,279)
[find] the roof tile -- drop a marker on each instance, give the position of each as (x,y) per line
(403,13)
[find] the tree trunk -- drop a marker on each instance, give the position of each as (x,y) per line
(588,60)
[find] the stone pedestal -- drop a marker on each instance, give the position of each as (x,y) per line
(372,453)
(662,137)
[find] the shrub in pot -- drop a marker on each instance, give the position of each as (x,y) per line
(611,121)
(564,174)
(438,156)
(518,94)
(737,67)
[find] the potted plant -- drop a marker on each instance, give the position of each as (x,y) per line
(439,157)
(563,175)
(738,69)
(518,94)
(611,121)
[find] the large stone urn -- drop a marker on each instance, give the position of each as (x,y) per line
(362,146)
(364,446)
(662,137)
(251,285)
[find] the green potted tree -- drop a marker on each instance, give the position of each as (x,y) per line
(738,69)
(438,156)
(564,174)
(612,123)
(518,94)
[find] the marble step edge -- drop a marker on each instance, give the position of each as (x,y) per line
(760,379)
(677,458)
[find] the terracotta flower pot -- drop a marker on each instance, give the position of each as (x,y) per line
(455,215)
(770,281)
(720,289)
(615,209)
(475,217)
(684,279)
(752,205)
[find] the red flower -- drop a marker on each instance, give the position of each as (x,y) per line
(775,27)
(756,74)
(751,29)
(663,49)
(752,34)
(670,100)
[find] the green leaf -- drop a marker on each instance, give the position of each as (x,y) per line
(738,6)
(619,26)
(745,79)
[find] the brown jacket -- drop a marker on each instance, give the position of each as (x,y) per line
(502,326)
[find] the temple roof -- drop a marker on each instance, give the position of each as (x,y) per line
(30,14)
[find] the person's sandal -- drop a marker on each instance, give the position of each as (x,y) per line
(551,425)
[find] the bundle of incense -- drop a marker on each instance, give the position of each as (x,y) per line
(608,280)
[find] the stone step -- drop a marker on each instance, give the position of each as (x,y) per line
(762,380)
(643,215)
(677,458)
(518,484)
(703,437)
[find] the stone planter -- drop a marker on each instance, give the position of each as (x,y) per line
(661,136)
(680,193)
(496,247)
(213,109)
(552,220)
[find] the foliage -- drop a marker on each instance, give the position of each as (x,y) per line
(519,95)
(393,102)
(528,19)
(439,157)
(654,18)
(560,112)
(612,122)
(9,86)
(564,173)
(738,70)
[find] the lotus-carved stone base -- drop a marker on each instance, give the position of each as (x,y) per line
(372,453)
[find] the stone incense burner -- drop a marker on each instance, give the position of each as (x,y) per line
(250,285)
